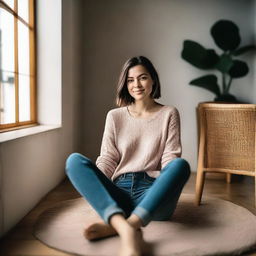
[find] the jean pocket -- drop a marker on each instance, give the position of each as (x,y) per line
(120,177)
(124,183)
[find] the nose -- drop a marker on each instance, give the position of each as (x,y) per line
(137,83)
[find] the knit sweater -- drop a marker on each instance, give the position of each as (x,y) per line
(132,144)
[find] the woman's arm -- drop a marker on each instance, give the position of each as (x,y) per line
(109,155)
(173,144)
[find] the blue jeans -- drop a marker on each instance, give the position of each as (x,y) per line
(130,193)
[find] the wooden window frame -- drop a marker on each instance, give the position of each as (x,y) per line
(32,65)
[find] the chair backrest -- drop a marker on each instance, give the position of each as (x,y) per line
(228,133)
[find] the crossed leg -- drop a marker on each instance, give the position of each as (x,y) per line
(111,203)
(160,200)
(115,206)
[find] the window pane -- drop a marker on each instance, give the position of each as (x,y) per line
(7,98)
(24,98)
(6,41)
(23,49)
(10,3)
(23,9)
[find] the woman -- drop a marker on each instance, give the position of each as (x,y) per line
(139,174)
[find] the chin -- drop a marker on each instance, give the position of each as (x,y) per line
(139,98)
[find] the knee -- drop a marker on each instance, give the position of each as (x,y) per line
(74,161)
(183,167)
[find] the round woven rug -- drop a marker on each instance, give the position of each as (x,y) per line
(216,227)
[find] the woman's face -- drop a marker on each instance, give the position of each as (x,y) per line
(139,82)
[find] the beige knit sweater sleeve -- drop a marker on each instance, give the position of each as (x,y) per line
(109,155)
(172,147)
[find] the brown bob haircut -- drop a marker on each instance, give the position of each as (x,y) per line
(123,98)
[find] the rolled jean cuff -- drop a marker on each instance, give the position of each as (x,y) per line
(143,214)
(112,209)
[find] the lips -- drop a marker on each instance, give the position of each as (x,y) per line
(139,91)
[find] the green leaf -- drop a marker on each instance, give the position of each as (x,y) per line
(226,98)
(208,82)
(244,49)
(226,35)
(198,56)
(239,69)
(225,63)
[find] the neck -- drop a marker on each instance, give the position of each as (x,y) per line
(143,106)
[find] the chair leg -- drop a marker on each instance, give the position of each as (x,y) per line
(255,189)
(200,177)
(228,178)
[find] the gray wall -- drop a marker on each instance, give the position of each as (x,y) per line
(31,166)
(115,30)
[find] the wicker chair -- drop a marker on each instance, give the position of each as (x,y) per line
(226,141)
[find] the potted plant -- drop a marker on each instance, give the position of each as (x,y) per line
(226,36)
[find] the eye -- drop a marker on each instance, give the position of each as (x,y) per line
(143,78)
(129,81)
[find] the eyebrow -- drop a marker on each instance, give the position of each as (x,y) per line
(139,75)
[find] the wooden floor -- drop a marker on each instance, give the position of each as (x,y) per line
(20,240)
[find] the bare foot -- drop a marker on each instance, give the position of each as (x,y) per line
(99,230)
(131,243)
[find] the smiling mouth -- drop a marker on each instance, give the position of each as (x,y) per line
(139,91)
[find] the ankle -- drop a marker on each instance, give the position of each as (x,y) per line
(135,221)
(120,224)
(127,231)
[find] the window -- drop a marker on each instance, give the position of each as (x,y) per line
(17,64)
